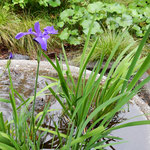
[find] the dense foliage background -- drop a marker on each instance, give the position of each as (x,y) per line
(73,17)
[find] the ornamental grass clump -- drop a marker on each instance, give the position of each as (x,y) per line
(91,105)
(88,104)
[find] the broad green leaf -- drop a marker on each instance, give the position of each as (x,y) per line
(95,7)
(74,32)
(86,25)
(66,13)
(54,3)
(74,40)
(116,7)
(64,34)
(125,20)
(60,24)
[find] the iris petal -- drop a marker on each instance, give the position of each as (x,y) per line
(50,30)
(21,34)
(37,28)
(40,37)
(42,42)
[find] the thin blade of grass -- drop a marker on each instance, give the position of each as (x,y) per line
(29,100)
(135,59)
(51,78)
(94,145)
(12,98)
(52,132)
(125,100)
(5,100)
(6,147)
(145,66)
(59,100)
(96,111)
(84,67)
(130,124)
(70,137)
(109,59)
(20,97)
(2,123)
(110,144)
(62,81)
(44,113)
(118,60)
(68,68)
(96,131)
(50,61)
(58,133)
(8,140)
(41,113)
(87,42)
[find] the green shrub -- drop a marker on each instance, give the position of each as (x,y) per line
(24,3)
(76,19)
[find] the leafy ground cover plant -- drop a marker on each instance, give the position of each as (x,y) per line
(119,1)
(114,16)
(25,3)
(88,105)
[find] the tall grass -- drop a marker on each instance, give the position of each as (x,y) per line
(106,43)
(11,24)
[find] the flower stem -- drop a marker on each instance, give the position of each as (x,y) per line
(32,125)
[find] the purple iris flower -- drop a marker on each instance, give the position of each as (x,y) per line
(40,37)
(10,55)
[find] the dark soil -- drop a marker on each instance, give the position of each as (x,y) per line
(4,54)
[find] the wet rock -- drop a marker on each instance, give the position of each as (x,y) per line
(145,90)
(20,57)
